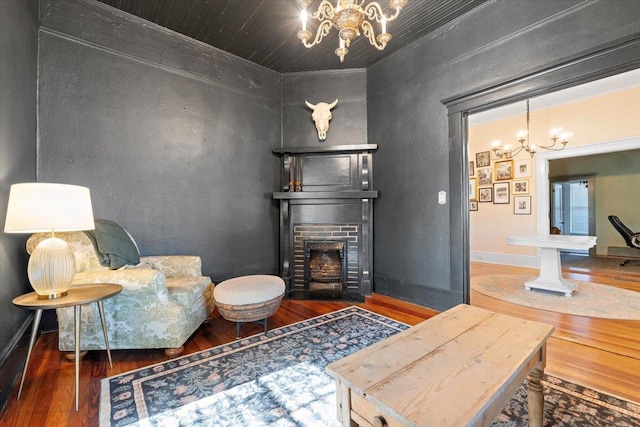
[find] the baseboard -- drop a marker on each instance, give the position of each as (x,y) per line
(435,298)
(12,359)
(530,261)
(623,252)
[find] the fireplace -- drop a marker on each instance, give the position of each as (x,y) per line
(324,266)
(326,221)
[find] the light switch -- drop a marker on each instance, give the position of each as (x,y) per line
(442,197)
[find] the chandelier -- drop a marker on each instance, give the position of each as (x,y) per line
(349,17)
(506,152)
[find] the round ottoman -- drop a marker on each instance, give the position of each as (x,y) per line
(249,299)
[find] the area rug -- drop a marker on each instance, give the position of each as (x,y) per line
(279,379)
(589,300)
(600,263)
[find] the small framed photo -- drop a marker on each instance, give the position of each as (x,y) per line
(521,186)
(473,189)
(522,168)
(485,195)
(473,205)
(483,159)
(501,193)
(485,176)
(503,170)
(472,169)
(522,205)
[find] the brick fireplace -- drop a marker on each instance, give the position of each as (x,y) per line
(326,227)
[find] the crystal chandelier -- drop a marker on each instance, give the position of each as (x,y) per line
(349,17)
(506,152)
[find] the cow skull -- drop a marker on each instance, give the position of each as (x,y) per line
(321,116)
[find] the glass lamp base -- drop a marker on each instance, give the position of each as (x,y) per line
(51,268)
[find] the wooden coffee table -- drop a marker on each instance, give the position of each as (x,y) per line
(458,368)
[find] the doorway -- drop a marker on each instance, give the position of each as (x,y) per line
(572,207)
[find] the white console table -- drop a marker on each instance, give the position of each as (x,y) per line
(550,278)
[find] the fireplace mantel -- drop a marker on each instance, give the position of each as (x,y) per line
(327,194)
(371,194)
(355,148)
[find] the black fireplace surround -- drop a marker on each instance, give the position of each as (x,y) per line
(326,221)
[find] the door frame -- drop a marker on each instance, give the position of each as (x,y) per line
(603,61)
(543,207)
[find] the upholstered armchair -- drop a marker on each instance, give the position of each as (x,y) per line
(163,301)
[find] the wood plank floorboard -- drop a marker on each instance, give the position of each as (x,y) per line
(601,355)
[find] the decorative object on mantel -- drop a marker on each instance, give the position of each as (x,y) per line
(297,180)
(506,152)
(321,116)
(348,17)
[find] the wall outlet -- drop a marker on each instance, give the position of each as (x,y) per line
(442,197)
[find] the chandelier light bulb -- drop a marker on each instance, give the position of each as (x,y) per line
(384,26)
(522,134)
(496,143)
(303,18)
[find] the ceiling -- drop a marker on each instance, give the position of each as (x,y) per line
(265,31)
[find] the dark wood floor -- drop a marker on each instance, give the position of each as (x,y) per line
(601,354)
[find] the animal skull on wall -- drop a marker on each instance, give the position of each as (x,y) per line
(321,116)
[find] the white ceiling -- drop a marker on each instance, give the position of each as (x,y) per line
(599,87)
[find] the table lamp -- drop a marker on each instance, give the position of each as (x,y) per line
(43,207)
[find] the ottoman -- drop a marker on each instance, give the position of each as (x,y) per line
(249,299)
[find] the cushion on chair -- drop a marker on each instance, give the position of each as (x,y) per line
(113,244)
(249,289)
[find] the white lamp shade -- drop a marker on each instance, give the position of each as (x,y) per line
(37,207)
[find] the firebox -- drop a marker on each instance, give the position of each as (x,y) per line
(325,266)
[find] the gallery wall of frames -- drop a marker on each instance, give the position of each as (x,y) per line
(500,182)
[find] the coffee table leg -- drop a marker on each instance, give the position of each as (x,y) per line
(535,398)
(34,333)
(104,331)
(76,317)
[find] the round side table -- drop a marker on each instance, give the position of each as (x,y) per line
(76,297)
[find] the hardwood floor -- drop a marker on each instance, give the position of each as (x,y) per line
(601,354)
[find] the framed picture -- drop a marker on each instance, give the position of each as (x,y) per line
(473,189)
(485,194)
(501,193)
(483,159)
(472,169)
(485,176)
(522,205)
(473,205)
(503,170)
(522,168)
(521,186)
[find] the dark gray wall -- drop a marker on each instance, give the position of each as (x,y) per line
(173,137)
(349,122)
(500,41)
(18,65)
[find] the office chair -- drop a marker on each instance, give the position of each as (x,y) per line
(632,239)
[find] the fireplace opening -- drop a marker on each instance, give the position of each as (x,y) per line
(325,267)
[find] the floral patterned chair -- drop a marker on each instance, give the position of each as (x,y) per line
(163,301)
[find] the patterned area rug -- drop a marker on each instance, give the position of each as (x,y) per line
(278,379)
(590,299)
